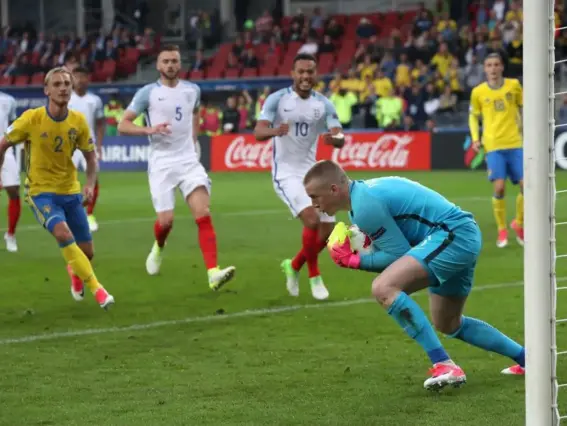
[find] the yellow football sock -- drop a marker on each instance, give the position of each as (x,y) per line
(499,208)
(81,265)
(520,209)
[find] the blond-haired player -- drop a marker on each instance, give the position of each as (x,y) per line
(50,135)
(498,102)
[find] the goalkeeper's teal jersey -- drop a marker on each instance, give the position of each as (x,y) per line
(397,213)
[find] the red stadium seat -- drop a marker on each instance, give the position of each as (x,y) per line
(249,73)
(232,73)
(21,80)
(37,78)
(197,75)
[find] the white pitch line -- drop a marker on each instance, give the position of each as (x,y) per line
(212,318)
(27,228)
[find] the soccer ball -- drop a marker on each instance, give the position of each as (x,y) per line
(359,242)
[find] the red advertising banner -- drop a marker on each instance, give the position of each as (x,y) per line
(384,151)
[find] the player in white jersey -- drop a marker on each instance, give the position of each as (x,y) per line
(92,108)
(294,118)
(10,173)
(172,114)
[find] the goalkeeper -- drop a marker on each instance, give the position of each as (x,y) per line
(420,240)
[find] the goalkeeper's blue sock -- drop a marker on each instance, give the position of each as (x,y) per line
(412,319)
(484,336)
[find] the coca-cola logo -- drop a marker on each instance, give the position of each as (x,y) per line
(388,151)
(250,155)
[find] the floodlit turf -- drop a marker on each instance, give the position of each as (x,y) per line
(325,364)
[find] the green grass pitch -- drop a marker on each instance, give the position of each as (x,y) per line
(171,352)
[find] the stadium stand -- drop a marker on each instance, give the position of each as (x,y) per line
(26,57)
(424,58)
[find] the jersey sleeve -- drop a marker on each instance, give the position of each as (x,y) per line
(197,99)
(99,109)
(13,114)
(387,239)
(141,100)
(331,117)
(85,141)
(519,94)
(475,108)
(270,107)
(19,130)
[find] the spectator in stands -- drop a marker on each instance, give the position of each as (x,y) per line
(389,110)
(382,84)
(447,101)
(423,22)
(388,65)
(431,99)
(199,63)
(260,101)
(327,46)
(499,9)
(310,47)
(447,27)
(403,72)
(278,34)
(238,47)
(264,25)
(232,61)
(295,32)
(365,29)
(244,105)
(474,73)
(40,44)
(110,52)
(442,59)
(367,68)
(25,43)
(317,21)
(230,116)
(250,60)
(415,101)
(514,13)
(334,30)
(344,101)
(515,54)
(274,51)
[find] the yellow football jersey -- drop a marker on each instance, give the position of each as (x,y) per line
(500,112)
(49,145)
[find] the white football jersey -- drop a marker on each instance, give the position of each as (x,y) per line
(7,111)
(90,105)
(295,153)
(175,106)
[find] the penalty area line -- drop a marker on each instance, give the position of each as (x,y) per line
(225,317)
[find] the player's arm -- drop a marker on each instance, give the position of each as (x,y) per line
(388,240)
(264,130)
(86,144)
(335,137)
(197,123)
(139,104)
(474,117)
(100,124)
(17,132)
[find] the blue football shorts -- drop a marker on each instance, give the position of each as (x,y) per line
(450,255)
(50,209)
(506,163)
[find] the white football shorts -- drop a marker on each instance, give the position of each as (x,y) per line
(292,192)
(164,182)
(10,173)
(80,162)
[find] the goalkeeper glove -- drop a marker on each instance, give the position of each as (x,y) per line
(340,250)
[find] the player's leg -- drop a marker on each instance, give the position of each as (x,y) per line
(81,164)
(50,213)
(292,193)
(79,226)
(497,172)
(10,174)
(516,173)
(392,290)
(196,187)
(446,306)
(163,200)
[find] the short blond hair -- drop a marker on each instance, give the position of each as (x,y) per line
(326,170)
(56,70)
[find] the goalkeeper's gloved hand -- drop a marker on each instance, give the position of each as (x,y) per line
(340,250)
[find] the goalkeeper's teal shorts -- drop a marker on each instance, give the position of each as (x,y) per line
(450,256)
